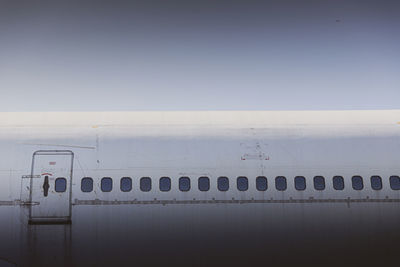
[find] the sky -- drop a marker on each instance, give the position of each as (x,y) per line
(199,55)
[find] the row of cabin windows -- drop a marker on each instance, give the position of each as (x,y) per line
(242,183)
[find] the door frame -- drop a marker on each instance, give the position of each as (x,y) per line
(55,153)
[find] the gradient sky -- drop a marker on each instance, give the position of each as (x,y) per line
(199,55)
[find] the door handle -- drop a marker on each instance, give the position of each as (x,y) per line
(46,186)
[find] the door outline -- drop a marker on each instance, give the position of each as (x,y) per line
(52,220)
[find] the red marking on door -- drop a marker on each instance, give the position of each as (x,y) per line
(46,173)
(52,163)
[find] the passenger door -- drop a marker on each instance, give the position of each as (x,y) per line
(50,186)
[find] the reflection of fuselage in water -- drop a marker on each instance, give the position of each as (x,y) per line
(200,188)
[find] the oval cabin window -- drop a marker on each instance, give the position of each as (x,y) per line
(280,183)
(261,183)
(126,184)
(357,182)
(184,184)
(223,183)
(165,184)
(338,182)
(145,184)
(394,182)
(242,183)
(300,183)
(106,184)
(87,184)
(60,185)
(319,183)
(204,183)
(376,182)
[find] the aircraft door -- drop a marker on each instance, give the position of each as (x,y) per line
(50,187)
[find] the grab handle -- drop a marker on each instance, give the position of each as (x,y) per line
(46,186)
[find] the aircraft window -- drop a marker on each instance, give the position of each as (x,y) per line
(126,184)
(261,183)
(300,183)
(106,184)
(60,185)
(145,184)
(204,183)
(395,182)
(376,182)
(242,183)
(338,182)
(357,182)
(184,184)
(165,184)
(280,183)
(319,183)
(87,184)
(223,183)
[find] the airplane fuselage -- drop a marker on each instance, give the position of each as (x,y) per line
(199,188)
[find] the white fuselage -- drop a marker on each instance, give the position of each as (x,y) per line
(40,147)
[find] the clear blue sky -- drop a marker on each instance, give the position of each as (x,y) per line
(199,55)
